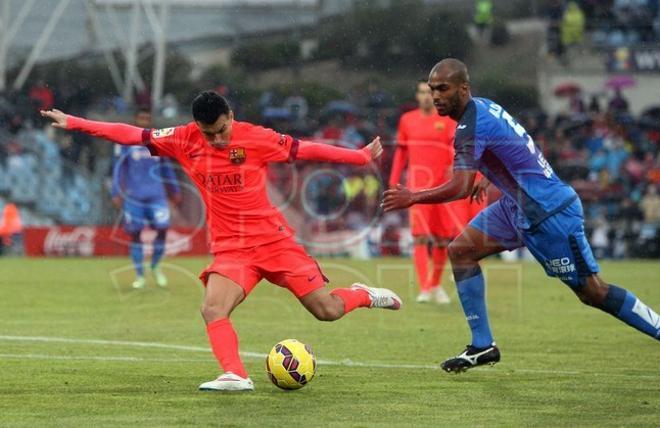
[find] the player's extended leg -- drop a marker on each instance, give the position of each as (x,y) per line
(222,295)
(158,214)
(421,261)
(465,252)
(421,220)
(439,256)
(137,257)
(620,303)
(331,305)
(561,246)
(134,219)
(159,251)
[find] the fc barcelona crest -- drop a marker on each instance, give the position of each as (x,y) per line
(237,155)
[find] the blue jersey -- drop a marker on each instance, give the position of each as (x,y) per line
(140,177)
(488,139)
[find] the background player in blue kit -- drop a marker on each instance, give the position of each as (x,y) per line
(537,210)
(141,184)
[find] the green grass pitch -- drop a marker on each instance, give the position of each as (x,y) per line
(78,347)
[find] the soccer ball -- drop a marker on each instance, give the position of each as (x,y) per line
(291,364)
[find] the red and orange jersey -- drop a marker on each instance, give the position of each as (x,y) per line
(231,180)
(428,142)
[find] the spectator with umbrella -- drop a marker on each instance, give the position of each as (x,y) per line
(619,104)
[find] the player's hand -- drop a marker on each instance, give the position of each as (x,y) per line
(375,148)
(479,190)
(58,118)
(397,198)
(117,202)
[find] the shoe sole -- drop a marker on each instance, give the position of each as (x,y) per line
(464,369)
(226,390)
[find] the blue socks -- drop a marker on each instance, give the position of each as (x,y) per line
(472,292)
(138,257)
(159,247)
(625,306)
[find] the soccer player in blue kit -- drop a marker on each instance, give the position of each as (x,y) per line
(141,185)
(537,210)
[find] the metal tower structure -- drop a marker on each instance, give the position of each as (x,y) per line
(125,31)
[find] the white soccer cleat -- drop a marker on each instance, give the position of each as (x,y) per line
(228,382)
(423,297)
(440,296)
(161,279)
(139,283)
(380,297)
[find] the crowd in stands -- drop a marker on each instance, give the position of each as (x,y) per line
(611,158)
(608,155)
(46,177)
(611,23)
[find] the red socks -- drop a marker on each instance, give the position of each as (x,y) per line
(224,344)
(421,259)
(439,260)
(352,298)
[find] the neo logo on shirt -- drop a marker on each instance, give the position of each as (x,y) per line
(237,155)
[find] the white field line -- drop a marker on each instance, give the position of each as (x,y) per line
(253,355)
(98,358)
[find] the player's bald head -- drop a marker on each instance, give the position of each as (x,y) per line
(452,70)
(450,87)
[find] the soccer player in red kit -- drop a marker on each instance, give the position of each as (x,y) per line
(425,140)
(250,239)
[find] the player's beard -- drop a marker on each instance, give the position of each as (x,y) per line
(454,103)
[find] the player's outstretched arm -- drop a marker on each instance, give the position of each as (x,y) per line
(459,187)
(118,132)
(328,153)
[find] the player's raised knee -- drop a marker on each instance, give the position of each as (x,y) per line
(459,250)
(591,291)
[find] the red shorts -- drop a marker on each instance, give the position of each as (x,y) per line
(443,220)
(283,263)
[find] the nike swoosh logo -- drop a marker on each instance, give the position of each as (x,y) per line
(311,278)
(461,127)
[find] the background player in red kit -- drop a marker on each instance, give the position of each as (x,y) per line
(425,140)
(250,239)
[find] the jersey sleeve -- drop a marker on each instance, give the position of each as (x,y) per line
(275,147)
(465,141)
(464,153)
(166,142)
(401,134)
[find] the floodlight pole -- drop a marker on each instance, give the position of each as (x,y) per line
(41,43)
(7,34)
(158,25)
(131,54)
(107,51)
(123,41)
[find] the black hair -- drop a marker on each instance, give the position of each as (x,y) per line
(142,109)
(208,106)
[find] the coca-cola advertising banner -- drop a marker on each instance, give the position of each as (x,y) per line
(108,241)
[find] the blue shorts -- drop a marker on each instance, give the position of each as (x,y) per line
(558,242)
(139,214)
